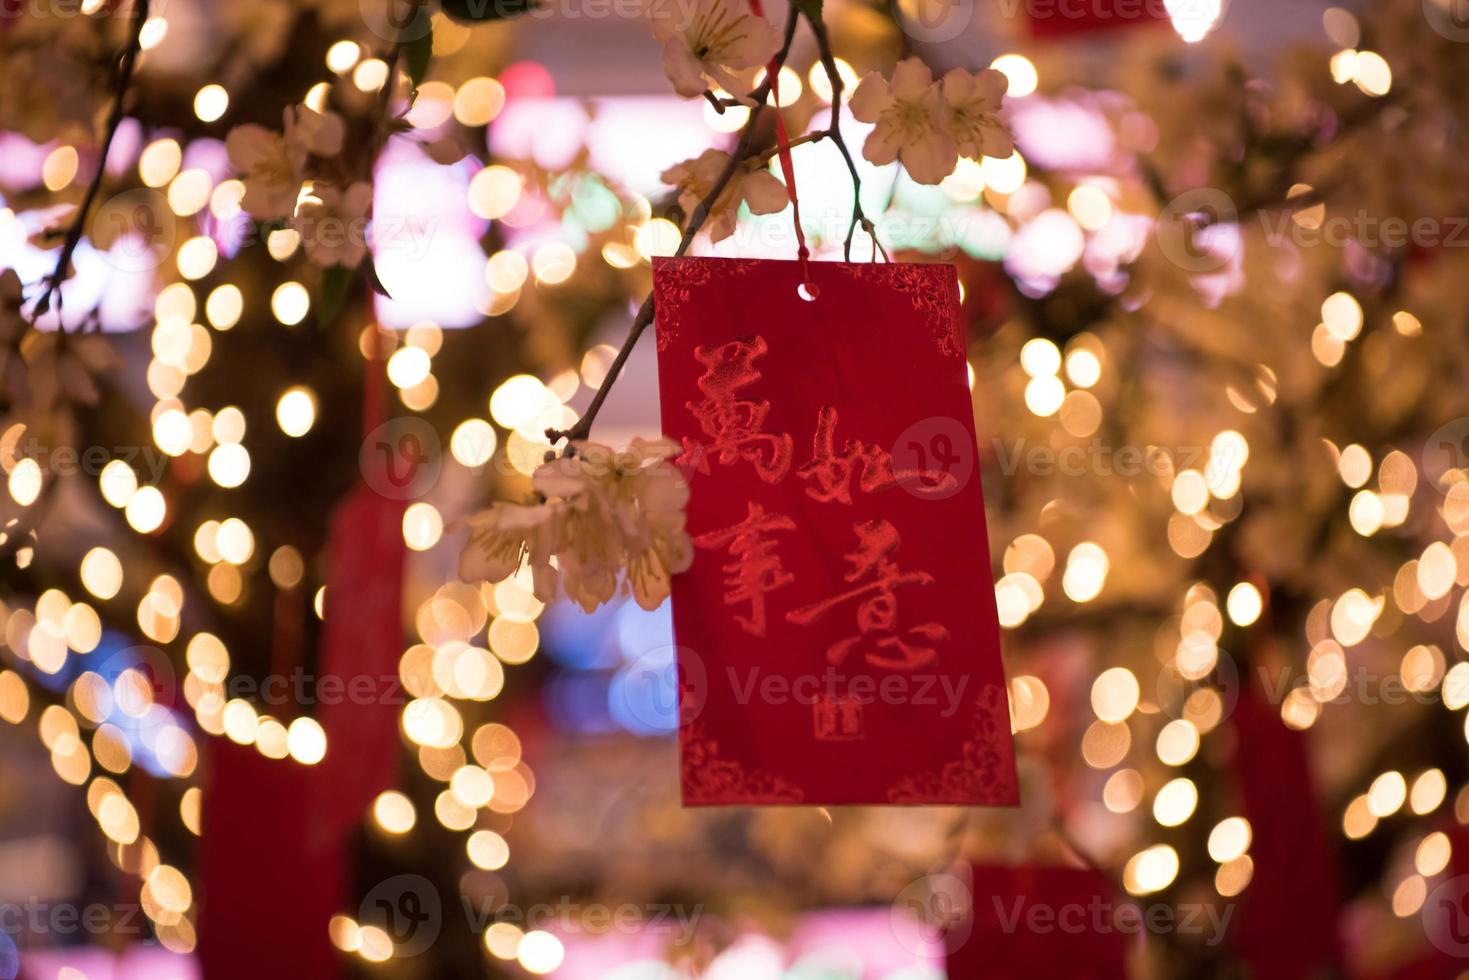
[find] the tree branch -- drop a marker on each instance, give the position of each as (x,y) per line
(125,70)
(834,130)
(583,427)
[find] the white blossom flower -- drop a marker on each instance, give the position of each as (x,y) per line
(272,165)
(507,536)
(311,133)
(624,513)
(63,366)
(333,223)
(259,154)
(752,184)
(971,112)
(911,121)
(710,43)
(609,517)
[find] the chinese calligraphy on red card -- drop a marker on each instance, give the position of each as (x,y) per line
(837,635)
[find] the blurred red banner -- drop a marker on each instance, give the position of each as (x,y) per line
(1034,922)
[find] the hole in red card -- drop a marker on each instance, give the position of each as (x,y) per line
(808,293)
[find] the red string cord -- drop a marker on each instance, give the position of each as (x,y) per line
(787,166)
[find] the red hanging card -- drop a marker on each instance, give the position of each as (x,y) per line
(837,635)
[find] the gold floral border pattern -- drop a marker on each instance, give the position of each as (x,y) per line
(675,280)
(927,285)
(983,773)
(710,779)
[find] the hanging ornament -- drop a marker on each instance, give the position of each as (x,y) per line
(1040,922)
(837,635)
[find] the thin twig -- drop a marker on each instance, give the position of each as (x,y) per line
(583,427)
(813,137)
(126,67)
(828,61)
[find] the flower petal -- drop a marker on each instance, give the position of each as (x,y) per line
(996,142)
(684,70)
(911,79)
(249,145)
(958,86)
(763,193)
(758,42)
(879,149)
(871,98)
(357,201)
(930,159)
(991,84)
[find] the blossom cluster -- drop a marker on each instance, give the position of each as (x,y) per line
(750,184)
(284,177)
(711,44)
(928,124)
(607,521)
